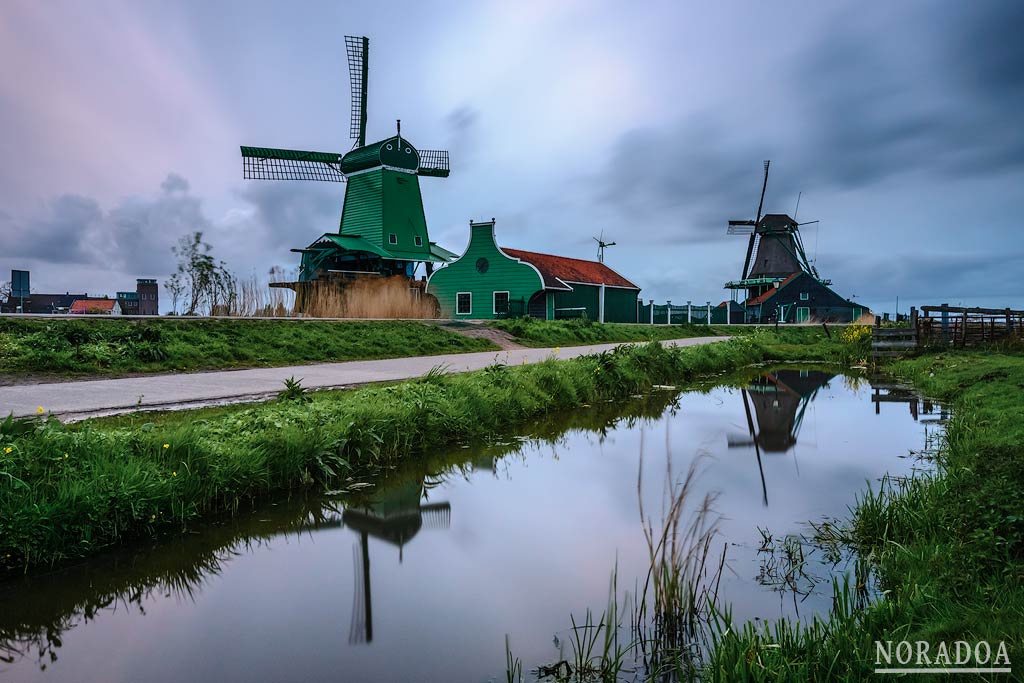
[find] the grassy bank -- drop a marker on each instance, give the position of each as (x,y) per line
(117,346)
(948,549)
(67,492)
(551,333)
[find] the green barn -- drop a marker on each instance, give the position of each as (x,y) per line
(489,281)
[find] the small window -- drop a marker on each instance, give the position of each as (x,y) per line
(500,303)
(418,240)
(463,303)
(804,296)
(392,238)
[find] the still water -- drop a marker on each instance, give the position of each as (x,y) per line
(421,579)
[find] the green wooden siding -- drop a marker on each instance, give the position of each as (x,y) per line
(364,207)
(584,296)
(503,274)
(381,202)
(403,215)
(619,304)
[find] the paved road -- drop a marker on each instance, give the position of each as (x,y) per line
(77,400)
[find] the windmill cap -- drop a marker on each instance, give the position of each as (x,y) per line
(396,152)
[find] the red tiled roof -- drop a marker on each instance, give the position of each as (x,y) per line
(90,305)
(558,270)
(771,292)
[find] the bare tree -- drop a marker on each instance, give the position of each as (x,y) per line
(207,286)
(5,291)
(176,287)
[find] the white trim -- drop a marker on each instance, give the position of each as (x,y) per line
(494,302)
(417,240)
(600,284)
(392,238)
(457,311)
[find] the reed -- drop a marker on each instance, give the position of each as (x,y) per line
(369,297)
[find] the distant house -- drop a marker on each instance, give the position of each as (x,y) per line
(489,281)
(95,307)
(41,303)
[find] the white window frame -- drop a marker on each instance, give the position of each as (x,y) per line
(392,238)
(805,296)
(494,301)
(808,314)
(418,241)
(457,311)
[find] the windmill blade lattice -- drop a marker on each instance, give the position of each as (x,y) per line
(434,163)
(357,48)
(265,163)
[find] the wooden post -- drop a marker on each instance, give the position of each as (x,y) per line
(1009,324)
(709,313)
(668,311)
(652,311)
(913,325)
(689,313)
(963,341)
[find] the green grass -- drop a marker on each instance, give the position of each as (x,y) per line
(551,333)
(68,491)
(948,549)
(105,347)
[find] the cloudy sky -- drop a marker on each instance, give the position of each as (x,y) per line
(899,122)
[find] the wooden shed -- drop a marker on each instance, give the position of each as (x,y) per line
(489,281)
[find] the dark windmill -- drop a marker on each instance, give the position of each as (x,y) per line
(774,404)
(396,517)
(776,259)
(383,229)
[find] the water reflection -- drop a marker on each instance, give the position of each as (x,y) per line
(395,517)
(459,548)
(779,400)
(38,610)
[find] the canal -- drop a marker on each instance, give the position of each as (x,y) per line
(422,577)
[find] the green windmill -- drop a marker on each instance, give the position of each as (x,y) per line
(383,230)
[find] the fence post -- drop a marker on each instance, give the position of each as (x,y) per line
(945,323)
(689,313)
(913,324)
(709,313)
(1009,324)
(652,311)
(668,311)
(963,341)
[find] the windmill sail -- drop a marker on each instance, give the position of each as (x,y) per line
(265,163)
(433,163)
(358,51)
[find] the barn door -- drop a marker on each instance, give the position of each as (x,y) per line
(538,306)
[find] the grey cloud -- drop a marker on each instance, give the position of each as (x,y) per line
(940,95)
(925,276)
(174,183)
(462,124)
(293,213)
(135,236)
(851,110)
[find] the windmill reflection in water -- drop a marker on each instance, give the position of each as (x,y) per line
(395,517)
(775,404)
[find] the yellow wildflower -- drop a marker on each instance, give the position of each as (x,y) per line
(40,410)
(8,449)
(174,474)
(65,456)
(167,445)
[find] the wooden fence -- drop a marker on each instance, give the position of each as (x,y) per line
(961,327)
(948,327)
